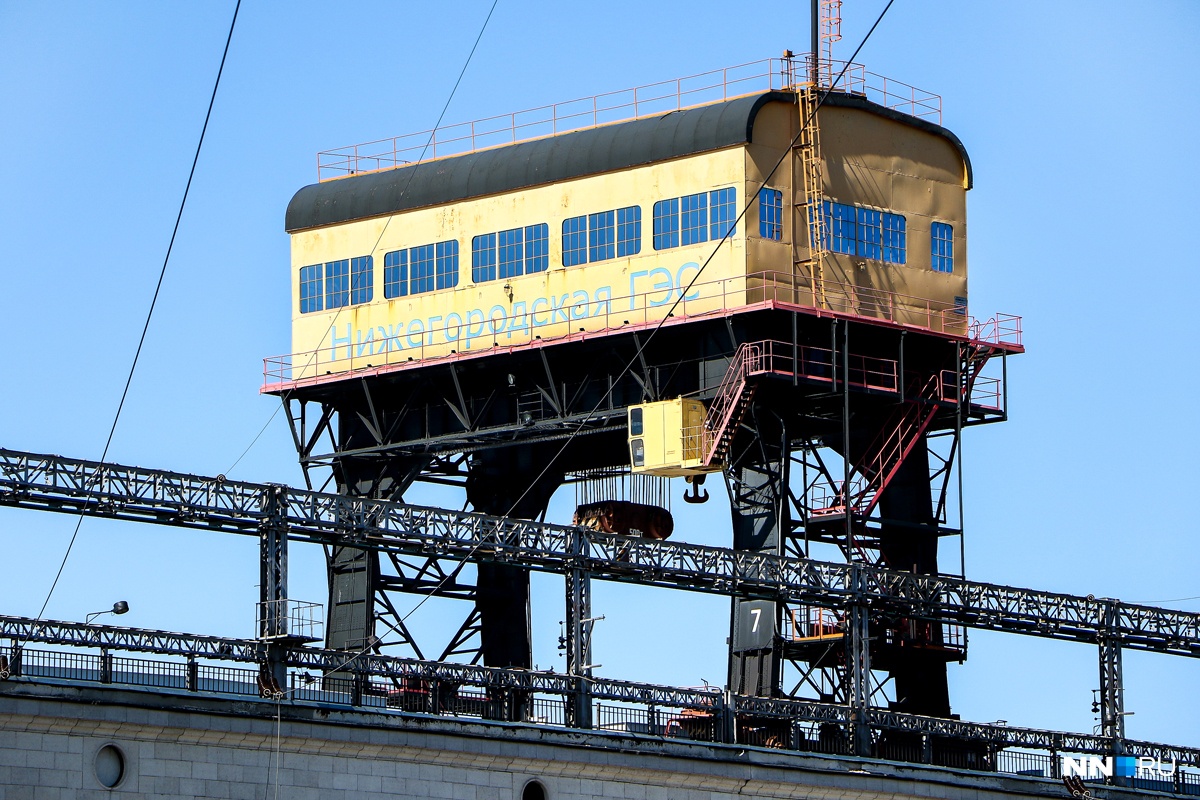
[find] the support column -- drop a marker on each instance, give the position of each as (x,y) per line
(577,629)
(758,498)
(858,664)
(512,482)
(1112,690)
(273,598)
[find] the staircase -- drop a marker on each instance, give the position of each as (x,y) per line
(733,398)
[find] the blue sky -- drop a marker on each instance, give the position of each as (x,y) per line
(1080,120)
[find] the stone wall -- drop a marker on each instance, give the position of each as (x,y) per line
(172,746)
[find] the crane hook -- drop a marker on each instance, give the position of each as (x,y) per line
(697,494)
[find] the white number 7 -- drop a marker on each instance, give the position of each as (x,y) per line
(756,613)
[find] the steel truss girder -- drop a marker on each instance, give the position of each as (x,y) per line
(23,631)
(44,482)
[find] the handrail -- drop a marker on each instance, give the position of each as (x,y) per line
(711,298)
(770,74)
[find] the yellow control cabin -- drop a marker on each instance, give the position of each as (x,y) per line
(668,438)
(601,230)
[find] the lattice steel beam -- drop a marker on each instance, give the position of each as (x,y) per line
(23,631)
(44,482)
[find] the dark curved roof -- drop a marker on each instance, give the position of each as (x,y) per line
(552,159)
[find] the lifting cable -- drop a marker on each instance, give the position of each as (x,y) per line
(154,300)
(670,311)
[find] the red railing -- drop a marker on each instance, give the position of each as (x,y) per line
(623,105)
(711,298)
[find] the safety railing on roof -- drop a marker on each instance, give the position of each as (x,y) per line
(478,332)
(628,104)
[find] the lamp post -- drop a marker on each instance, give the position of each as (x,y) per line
(119,607)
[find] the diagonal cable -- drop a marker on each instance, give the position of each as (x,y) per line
(162,273)
(670,311)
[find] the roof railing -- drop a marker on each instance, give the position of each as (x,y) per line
(627,104)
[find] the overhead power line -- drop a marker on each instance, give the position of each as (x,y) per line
(162,273)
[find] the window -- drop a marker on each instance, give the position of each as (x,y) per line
(483,258)
(722,205)
(844,237)
(537,248)
(447,264)
(635,422)
(421,264)
(312,293)
(337,283)
(395,274)
(666,224)
(519,251)
(770,214)
(869,233)
(574,241)
(895,239)
(941,238)
(629,231)
(693,219)
(512,252)
(602,238)
(362,271)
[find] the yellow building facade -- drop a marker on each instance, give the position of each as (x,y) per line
(627,221)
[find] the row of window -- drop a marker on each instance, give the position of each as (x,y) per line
(678,222)
(520,251)
(864,232)
(858,231)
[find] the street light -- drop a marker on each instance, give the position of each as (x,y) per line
(119,607)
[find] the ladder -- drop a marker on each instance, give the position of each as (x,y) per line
(809,148)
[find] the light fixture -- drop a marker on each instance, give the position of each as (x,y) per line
(119,607)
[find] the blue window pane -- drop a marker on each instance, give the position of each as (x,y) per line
(602,238)
(844,235)
(770,214)
(312,292)
(337,283)
(895,239)
(512,253)
(447,264)
(362,275)
(722,205)
(823,224)
(483,258)
(693,219)
(941,238)
(395,274)
(629,231)
(420,260)
(666,224)
(869,234)
(537,248)
(574,241)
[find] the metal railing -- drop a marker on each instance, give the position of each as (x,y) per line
(601,317)
(634,711)
(297,619)
(714,86)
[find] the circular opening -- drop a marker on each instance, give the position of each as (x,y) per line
(533,791)
(110,765)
